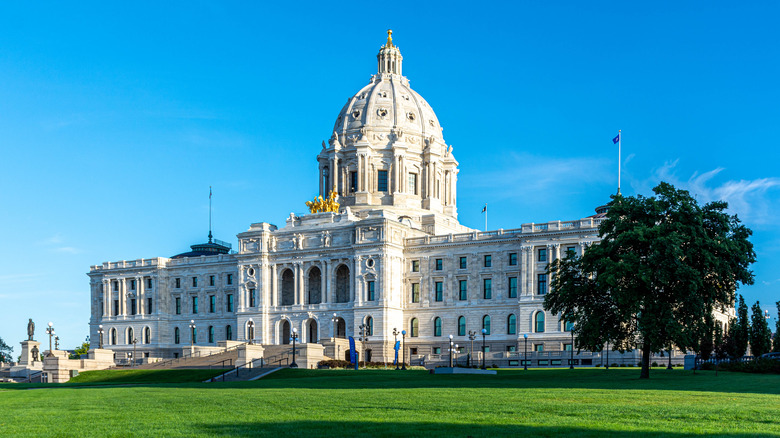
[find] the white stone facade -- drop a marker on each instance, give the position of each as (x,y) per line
(394,253)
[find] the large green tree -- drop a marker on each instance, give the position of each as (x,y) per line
(5,352)
(740,331)
(663,266)
(760,335)
(776,343)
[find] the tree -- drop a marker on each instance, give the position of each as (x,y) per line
(663,266)
(777,329)
(84,349)
(741,331)
(707,342)
(760,335)
(720,342)
(5,352)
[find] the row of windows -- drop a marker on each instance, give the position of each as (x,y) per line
(212,303)
(511,325)
(228,281)
(194,334)
(130,336)
(487,289)
(133,307)
(131,284)
(487,261)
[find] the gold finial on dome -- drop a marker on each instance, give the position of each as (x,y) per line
(389,38)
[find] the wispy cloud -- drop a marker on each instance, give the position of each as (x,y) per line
(57,243)
(67,250)
(755,201)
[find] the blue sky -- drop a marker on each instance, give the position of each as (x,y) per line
(115,120)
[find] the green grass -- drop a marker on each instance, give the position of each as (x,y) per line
(145,376)
(583,402)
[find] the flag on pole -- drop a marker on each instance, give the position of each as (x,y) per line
(616,139)
(209,192)
(484,209)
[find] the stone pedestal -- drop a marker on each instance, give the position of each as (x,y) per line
(248,353)
(27,359)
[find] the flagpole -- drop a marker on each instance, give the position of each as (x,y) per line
(209,214)
(620,138)
(485,217)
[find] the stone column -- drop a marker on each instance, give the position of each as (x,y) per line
(140,293)
(274,287)
(122,296)
(323,282)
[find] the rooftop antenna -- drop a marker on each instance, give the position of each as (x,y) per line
(210,236)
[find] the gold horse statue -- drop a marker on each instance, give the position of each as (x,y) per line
(319,205)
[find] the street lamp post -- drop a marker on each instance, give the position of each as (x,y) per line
(571,360)
(56,342)
(403,347)
(456,354)
(525,353)
(484,333)
(135,341)
(100,336)
(607,366)
(335,320)
(472,336)
(395,341)
(450,351)
(50,332)
(363,339)
(192,335)
(294,337)
(669,367)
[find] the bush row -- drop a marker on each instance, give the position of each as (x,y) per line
(763,366)
(346,364)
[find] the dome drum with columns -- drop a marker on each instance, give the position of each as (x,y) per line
(387,150)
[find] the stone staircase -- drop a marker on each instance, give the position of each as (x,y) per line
(226,359)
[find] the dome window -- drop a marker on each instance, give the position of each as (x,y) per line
(410,116)
(382,112)
(356,114)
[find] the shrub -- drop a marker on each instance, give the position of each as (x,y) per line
(598,365)
(346,364)
(623,365)
(762,366)
(655,364)
(614,365)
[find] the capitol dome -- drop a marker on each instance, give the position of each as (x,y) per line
(387,148)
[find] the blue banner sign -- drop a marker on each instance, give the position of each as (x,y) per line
(396,348)
(352,351)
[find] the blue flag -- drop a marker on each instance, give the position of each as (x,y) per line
(396,348)
(352,351)
(616,139)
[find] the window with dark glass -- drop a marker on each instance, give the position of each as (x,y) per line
(178,282)
(211,280)
(463,293)
(513,259)
(568,326)
(488,261)
(230,279)
(487,288)
(439,264)
(539,322)
(371,291)
(436,350)
(178,305)
(542,284)
(463,263)
(415,292)
(353,181)
(133,309)
(194,335)
(251,298)
(176,336)
(511,324)
(415,266)
(571,250)
(211,334)
(102,310)
(414,327)
(194,304)
(539,347)
(437,326)
(229,333)
(212,303)
(194,281)
(116,307)
(115,285)
(148,306)
(542,255)
(462,326)
(439,291)
(148,283)
(132,284)
(381,181)
(512,287)
(230,302)
(486,324)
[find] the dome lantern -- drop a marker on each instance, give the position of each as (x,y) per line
(389,57)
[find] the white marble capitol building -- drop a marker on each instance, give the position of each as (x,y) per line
(393,255)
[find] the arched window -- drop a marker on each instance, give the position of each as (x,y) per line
(147,335)
(567,326)
(539,322)
(285,332)
(486,324)
(462,326)
(113,336)
(414,328)
(314,295)
(211,334)
(229,333)
(194,335)
(437,326)
(340,328)
(176,336)
(511,324)
(129,339)
(370,326)
(288,288)
(313,331)
(342,284)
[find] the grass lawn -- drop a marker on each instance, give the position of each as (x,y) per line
(559,402)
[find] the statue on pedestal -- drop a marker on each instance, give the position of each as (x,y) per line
(30,330)
(35,352)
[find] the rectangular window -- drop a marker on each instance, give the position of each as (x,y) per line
(463,294)
(512,287)
(511,348)
(415,292)
(488,261)
(251,298)
(178,283)
(178,305)
(439,291)
(148,283)
(413,183)
(436,350)
(539,347)
(542,255)
(571,251)
(194,281)
(102,310)
(487,288)
(513,259)
(133,308)
(542,284)
(413,350)
(230,302)
(211,280)
(194,304)
(566,347)
(415,266)
(116,285)
(463,263)
(486,348)
(439,264)
(353,178)
(148,306)
(132,284)
(212,303)
(230,279)
(116,307)
(381,181)
(371,291)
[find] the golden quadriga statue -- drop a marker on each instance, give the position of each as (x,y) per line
(320,205)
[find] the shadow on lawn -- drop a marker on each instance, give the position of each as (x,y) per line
(368,428)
